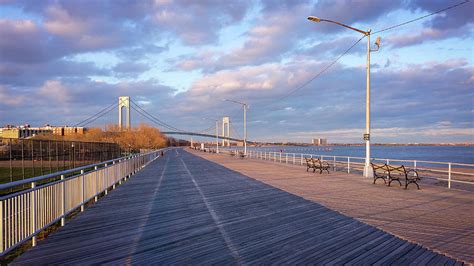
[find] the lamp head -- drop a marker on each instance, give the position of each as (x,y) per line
(377,42)
(315,19)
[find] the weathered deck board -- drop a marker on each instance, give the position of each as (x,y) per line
(182,209)
(435,217)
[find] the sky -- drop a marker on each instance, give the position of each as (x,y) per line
(63,61)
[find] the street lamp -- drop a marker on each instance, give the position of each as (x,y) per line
(217,132)
(367,167)
(245,106)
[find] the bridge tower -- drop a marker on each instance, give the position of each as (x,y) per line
(124,102)
(225,125)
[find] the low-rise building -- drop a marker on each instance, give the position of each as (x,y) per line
(26,131)
(320,142)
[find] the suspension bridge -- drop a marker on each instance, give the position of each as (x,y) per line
(125,103)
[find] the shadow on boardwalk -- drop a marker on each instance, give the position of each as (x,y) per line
(182,209)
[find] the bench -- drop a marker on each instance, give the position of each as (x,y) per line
(316,164)
(395,173)
(241,155)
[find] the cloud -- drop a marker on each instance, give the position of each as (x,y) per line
(7,99)
(53,89)
(22,74)
(456,22)
(391,134)
(130,69)
(198,22)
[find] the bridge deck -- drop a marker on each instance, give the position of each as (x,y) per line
(183,209)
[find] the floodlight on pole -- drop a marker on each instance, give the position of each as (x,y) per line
(368,172)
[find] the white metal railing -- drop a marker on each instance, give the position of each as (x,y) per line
(443,171)
(50,198)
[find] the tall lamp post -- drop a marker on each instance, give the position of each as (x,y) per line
(217,132)
(245,106)
(367,167)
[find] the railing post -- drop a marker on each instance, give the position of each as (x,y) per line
(274,156)
(114,170)
(1,227)
(33,214)
(286,158)
(334,164)
(414,167)
(83,190)
(280,157)
(96,183)
(348,165)
(301,159)
(388,161)
(63,205)
(294,158)
(106,170)
(449,175)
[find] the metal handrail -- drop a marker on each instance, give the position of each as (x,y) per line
(26,213)
(55,174)
(347,160)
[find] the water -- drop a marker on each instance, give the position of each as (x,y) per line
(453,154)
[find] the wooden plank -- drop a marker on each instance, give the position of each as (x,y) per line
(183,209)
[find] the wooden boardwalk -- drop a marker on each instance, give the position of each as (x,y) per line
(435,216)
(183,209)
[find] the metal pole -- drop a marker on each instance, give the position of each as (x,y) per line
(348,165)
(11,159)
(23,159)
(367,168)
(449,175)
(33,214)
(217,136)
(63,205)
(245,129)
(83,190)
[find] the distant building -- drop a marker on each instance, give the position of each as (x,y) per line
(23,132)
(26,131)
(320,142)
(68,131)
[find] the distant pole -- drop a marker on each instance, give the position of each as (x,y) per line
(217,136)
(245,122)
(245,129)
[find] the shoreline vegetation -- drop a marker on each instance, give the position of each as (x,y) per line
(141,137)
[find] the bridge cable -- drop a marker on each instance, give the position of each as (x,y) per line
(151,117)
(97,115)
